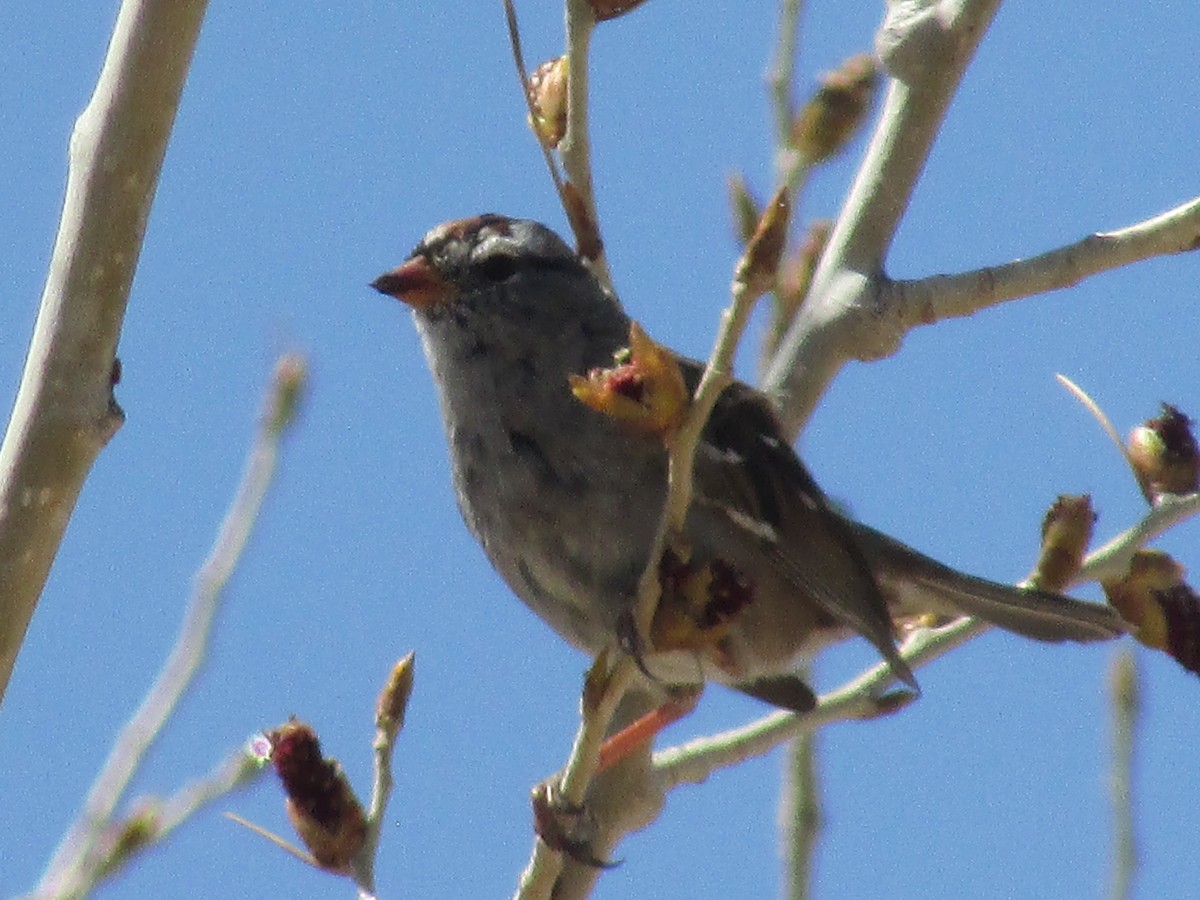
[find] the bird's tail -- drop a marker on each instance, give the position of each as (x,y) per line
(916,585)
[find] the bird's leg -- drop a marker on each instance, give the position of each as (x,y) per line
(618,746)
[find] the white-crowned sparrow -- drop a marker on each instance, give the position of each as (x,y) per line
(566,501)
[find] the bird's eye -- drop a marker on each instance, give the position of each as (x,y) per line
(498,267)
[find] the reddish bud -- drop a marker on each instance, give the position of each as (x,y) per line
(1164,455)
(699,604)
(320,802)
(1181,612)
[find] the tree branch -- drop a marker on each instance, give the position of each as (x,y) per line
(570,790)
(152,821)
(860,698)
(1112,560)
(65,411)
(854,312)
(926,48)
(927,300)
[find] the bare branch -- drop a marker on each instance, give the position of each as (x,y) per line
(541,873)
(926,48)
(853,311)
(928,300)
(65,411)
(151,822)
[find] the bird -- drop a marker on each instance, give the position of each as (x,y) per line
(566,501)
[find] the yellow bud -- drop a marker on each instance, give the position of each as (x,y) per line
(645,393)
(837,109)
(759,265)
(393,698)
(1066,533)
(548,97)
(1136,596)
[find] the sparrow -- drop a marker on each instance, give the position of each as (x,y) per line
(566,501)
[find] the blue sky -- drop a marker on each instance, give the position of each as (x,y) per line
(313,148)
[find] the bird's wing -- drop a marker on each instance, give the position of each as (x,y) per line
(746,469)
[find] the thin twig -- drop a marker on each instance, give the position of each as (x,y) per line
(514,37)
(1125,706)
(79,856)
(545,864)
(152,823)
(1098,414)
(800,814)
(1112,560)
(389,722)
(682,452)
(781,77)
(585,754)
(575,149)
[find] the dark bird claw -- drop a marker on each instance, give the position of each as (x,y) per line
(566,828)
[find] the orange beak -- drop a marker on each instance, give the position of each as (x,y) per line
(416,283)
